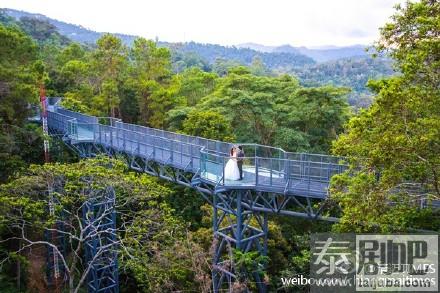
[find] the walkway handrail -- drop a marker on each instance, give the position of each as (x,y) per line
(264,166)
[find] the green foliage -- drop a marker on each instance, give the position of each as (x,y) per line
(6,285)
(155,248)
(249,102)
(5,19)
(222,66)
(371,207)
(258,68)
(277,111)
(195,84)
(187,204)
(289,248)
(138,86)
(398,136)
(186,60)
(150,62)
(155,101)
(320,114)
(19,146)
(42,31)
(175,118)
(248,264)
(208,124)
(156,93)
(108,63)
(19,75)
(352,72)
(412,39)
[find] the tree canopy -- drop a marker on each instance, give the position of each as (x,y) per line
(397,139)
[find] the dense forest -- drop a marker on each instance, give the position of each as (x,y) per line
(165,230)
(350,66)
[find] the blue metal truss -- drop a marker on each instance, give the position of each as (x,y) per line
(237,228)
(99,220)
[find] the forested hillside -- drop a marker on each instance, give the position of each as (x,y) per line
(352,72)
(245,56)
(164,231)
(347,66)
(72,31)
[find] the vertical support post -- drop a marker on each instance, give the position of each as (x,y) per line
(308,176)
(100,133)
(171,148)
(233,232)
(256,171)
(265,231)
(191,156)
(201,163)
(154,148)
(101,248)
(239,224)
(117,135)
(124,140)
(223,168)
(329,166)
(111,135)
(271,170)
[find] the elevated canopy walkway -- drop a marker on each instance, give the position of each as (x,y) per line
(265,168)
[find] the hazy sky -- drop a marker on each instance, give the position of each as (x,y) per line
(228,22)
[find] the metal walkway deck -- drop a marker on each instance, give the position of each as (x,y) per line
(265,168)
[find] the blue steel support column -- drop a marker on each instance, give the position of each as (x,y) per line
(239,216)
(99,219)
(233,232)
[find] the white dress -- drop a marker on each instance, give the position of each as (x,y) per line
(231,169)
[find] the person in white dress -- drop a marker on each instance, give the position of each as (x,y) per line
(231,168)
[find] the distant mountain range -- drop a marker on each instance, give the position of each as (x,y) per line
(81,34)
(323,54)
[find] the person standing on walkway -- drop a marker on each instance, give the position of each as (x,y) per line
(240,157)
(231,171)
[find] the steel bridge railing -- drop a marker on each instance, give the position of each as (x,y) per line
(308,178)
(266,168)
